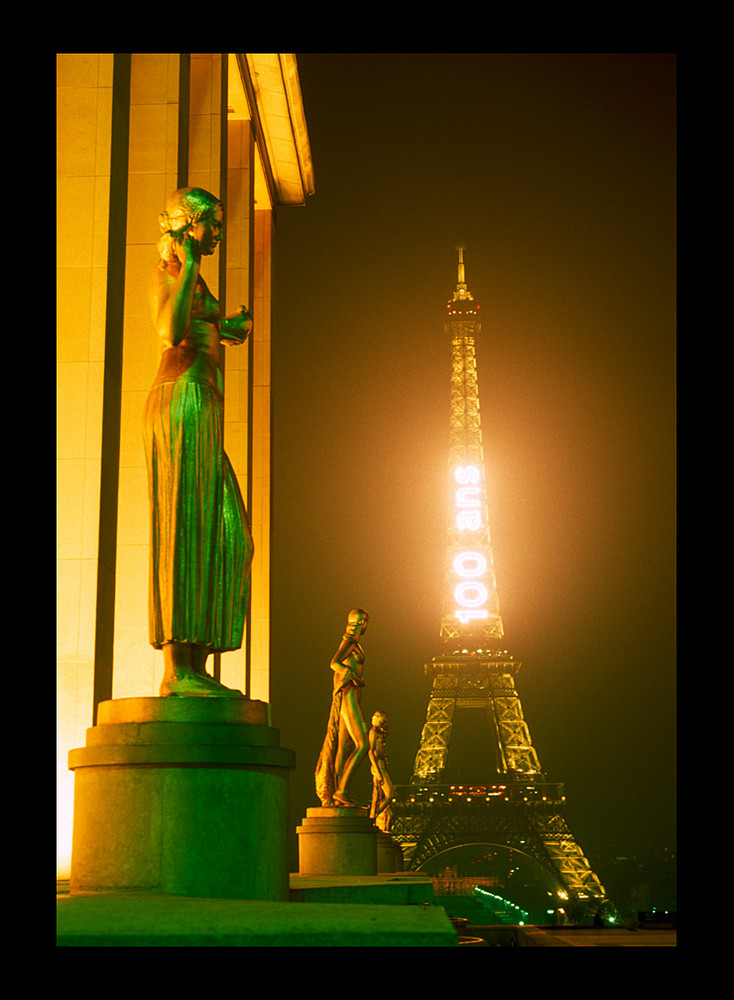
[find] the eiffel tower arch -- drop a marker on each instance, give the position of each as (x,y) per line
(521,809)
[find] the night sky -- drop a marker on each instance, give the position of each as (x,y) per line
(557,173)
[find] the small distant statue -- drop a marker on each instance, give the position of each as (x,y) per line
(201,546)
(346,741)
(383,790)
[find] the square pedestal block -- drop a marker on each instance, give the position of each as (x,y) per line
(337,841)
(185,796)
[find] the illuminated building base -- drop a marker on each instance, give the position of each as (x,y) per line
(521,810)
(337,841)
(182,796)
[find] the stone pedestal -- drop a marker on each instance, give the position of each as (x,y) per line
(337,841)
(184,796)
(389,854)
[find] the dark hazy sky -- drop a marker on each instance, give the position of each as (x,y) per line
(557,172)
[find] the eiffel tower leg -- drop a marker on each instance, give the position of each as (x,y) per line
(586,894)
(430,761)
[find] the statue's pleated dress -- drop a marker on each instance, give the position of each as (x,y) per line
(201,547)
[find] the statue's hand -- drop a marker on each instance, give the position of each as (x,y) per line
(348,677)
(236,328)
(187,250)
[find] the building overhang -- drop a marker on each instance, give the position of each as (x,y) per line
(264,88)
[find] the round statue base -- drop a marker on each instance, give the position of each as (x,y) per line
(337,841)
(183,796)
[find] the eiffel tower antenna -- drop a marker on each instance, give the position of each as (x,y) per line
(461,284)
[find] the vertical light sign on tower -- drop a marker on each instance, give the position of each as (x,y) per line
(471,618)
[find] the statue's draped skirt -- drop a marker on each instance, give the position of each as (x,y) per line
(325,775)
(201,547)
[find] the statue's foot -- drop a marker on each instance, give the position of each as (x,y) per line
(345,801)
(196,686)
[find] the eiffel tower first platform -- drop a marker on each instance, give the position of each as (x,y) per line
(520,808)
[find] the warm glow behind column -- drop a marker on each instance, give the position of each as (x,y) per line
(152,176)
(238,234)
(84,124)
(247,392)
(261,459)
(124,145)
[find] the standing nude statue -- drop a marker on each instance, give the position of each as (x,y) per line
(201,547)
(346,742)
(383,790)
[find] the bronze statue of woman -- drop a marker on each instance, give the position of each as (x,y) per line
(346,743)
(201,546)
(383,790)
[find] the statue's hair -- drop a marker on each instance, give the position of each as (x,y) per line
(184,209)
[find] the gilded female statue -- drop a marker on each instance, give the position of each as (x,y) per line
(201,547)
(383,790)
(346,741)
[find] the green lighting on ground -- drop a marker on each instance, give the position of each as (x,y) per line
(521,914)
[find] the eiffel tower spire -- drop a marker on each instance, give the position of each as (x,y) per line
(471,617)
(461,290)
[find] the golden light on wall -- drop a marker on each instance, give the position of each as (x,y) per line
(238,110)
(107,353)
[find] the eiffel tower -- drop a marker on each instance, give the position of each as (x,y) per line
(520,808)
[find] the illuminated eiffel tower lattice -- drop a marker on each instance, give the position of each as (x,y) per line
(518,808)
